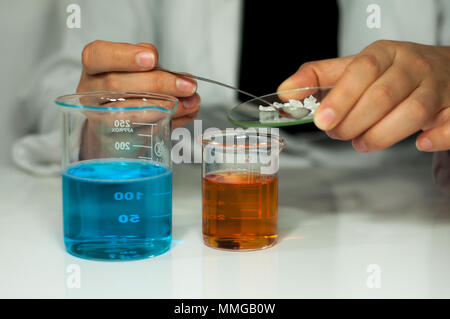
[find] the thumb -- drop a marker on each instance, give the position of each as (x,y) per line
(317,73)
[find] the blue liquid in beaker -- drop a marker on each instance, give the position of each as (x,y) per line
(117,209)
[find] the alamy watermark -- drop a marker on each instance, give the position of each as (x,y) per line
(374,277)
(259,147)
(73,279)
(73,20)
(373,20)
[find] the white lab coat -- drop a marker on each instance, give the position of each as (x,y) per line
(197,36)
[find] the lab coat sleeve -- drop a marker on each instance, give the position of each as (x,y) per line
(443,22)
(441,160)
(441,170)
(133,21)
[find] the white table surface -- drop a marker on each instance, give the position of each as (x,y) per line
(334,223)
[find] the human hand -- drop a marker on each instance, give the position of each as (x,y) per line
(387,92)
(127,67)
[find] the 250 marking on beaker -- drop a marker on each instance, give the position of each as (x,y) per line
(122,126)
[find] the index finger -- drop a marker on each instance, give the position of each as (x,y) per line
(103,56)
(317,73)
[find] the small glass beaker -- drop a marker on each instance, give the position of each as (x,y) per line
(240,188)
(117,174)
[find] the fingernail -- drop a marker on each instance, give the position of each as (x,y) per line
(359,145)
(424,144)
(190,102)
(331,135)
(185,85)
(325,118)
(145,59)
(286,85)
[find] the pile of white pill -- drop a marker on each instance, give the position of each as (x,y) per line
(293,107)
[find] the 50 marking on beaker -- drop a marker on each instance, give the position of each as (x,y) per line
(133,218)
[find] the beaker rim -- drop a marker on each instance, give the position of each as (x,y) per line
(270,139)
(69,100)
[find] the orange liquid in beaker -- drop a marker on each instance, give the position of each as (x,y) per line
(240,210)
